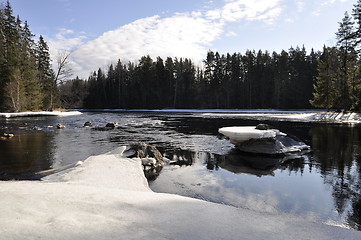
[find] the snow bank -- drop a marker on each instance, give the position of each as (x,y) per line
(36,114)
(107,197)
(297,116)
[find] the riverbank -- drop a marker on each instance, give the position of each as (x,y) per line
(295,116)
(41,113)
(262,114)
(107,197)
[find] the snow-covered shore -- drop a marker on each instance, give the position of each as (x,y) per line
(41,113)
(302,116)
(310,115)
(107,197)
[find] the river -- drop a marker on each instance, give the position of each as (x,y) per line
(324,185)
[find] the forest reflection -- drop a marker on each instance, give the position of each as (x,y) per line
(337,153)
(335,157)
(26,153)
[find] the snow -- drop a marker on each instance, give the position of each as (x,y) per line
(42,113)
(107,197)
(242,134)
(297,116)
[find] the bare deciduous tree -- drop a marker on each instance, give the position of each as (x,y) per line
(63,72)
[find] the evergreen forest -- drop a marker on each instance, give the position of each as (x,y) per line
(27,81)
(291,79)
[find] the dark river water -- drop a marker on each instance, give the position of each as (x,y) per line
(324,185)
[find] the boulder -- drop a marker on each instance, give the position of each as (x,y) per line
(264,139)
(111,125)
(150,155)
(88,124)
(8,135)
(60,126)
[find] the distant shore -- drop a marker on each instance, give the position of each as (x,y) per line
(41,113)
(306,115)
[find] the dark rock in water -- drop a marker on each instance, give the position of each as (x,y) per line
(264,140)
(88,124)
(263,126)
(36,128)
(280,145)
(112,125)
(60,126)
(8,135)
(23,125)
(146,152)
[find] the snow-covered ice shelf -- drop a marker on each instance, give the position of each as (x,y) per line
(294,116)
(107,197)
(43,113)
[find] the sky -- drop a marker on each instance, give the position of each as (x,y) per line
(97,33)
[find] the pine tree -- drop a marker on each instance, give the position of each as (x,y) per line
(346,82)
(27,65)
(356,13)
(12,77)
(45,73)
(325,95)
(21,82)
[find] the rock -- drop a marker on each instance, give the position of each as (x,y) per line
(88,124)
(23,125)
(263,126)
(148,161)
(8,135)
(264,140)
(279,145)
(150,154)
(60,126)
(112,125)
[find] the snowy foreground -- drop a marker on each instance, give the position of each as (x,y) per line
(107,197)
(36,114)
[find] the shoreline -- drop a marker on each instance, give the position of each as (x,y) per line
(321,117)
(261,114)
(107,197)
(40,113)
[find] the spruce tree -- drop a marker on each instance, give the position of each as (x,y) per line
(346,44)
(27,65)
(356,13)
(45,73)
(325,95)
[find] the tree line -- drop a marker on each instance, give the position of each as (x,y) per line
(26,76)
(253,80)
(292,79)
(339,71)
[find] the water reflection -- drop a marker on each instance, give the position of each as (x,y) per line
(325,183)
(337,152)
(335,162)
(26,154)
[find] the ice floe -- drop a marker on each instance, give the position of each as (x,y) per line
(262,139)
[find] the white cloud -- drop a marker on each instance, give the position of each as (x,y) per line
(300,5)
(182,35)
(330,2)
(231,34)
(234,10)
(178,36)
(65,40)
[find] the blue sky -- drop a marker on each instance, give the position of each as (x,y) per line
(98,32)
